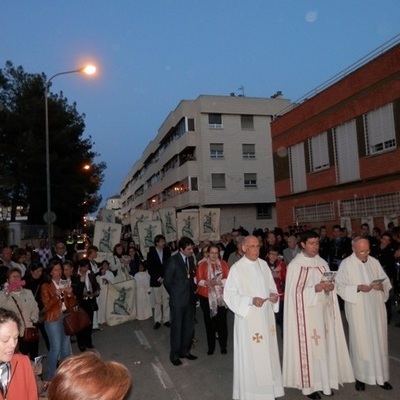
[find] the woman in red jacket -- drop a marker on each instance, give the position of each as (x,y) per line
(211,275)
(17,380)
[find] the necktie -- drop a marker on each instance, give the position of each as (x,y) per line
(187,267)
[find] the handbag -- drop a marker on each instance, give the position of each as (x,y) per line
(76,321)
(31,334)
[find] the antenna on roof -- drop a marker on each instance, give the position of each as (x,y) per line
(241,91)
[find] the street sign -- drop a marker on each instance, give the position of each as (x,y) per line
(49,217)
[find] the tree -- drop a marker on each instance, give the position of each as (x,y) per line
(74,190)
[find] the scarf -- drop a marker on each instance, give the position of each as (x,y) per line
(5,368)
(215,293)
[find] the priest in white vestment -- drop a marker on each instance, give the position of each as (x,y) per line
(364,287)
(250,292)
(315,354)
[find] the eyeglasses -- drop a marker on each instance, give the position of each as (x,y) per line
(364,251)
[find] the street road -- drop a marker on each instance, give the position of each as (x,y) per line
(145,352)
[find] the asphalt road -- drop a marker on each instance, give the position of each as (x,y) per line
(145,352)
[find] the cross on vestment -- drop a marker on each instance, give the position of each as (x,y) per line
(315,337)
(257,338)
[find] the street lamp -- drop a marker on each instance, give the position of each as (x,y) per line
(49,217)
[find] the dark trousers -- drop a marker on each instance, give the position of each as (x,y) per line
(182,328)
(215,324)
(84,338)
(30,349)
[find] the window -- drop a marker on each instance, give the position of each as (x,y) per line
(297,167)
(215,120)
(264,211)
(216,150)
(319,154)
(247,121)
(218,181)
(379,129)
(250,180)
(193,183)
(190,124)
(346,152)
(249,150)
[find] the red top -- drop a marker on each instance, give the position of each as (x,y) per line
(202,275)
(22,385)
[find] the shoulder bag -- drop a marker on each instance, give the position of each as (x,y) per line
(76,321)
(31,334)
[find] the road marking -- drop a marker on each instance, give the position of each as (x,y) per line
(162,374)
(142,339)
(394,358)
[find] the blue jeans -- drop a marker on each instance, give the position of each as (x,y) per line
(60,345)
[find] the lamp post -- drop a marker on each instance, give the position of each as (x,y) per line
(49,217)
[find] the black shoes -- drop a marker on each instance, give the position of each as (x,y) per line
(224,351)
(190,357)
(360,386)
(210,352)
(167,324)
(314,396)
(82,348)
(386,386)
(157,325)
(176,362)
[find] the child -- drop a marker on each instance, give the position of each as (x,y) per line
(104,277)
(143,300)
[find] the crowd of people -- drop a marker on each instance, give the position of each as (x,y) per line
(269,279)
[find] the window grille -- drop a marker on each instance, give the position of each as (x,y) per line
(376,205)
(314,212)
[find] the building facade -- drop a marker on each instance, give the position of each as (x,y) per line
(214,151)
(336,154)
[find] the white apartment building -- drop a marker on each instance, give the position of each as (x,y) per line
(214,151)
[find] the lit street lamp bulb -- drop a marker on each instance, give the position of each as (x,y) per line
(89,69)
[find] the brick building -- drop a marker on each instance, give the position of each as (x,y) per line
(336,153)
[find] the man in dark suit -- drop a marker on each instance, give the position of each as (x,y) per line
(179,281)
(156,260)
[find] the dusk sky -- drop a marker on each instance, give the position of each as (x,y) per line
(151,54)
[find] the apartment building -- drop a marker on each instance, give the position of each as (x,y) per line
(214,151)
(336,153)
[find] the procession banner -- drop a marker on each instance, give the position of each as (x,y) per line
(147,232)
(188,225)
(136,217)
(121,305)
(106,236)
(107,216)
(169,224)
(210,224)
